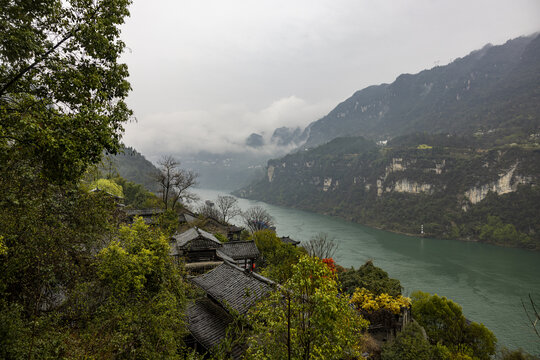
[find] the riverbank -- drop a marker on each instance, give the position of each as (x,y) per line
(487,281)
(389,228)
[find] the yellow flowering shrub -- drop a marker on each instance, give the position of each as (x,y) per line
(365,300)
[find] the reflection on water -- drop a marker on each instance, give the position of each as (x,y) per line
(487,281)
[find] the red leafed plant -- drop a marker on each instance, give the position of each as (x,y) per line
(331,264)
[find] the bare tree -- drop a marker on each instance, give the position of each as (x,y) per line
(533,315)
(174,182)
(321,246)
(257,218)
(209,210)
(228,207)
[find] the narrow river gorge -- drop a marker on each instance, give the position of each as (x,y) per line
(487,281)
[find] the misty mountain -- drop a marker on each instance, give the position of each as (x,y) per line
(255,140)
(285,136)
(496,88)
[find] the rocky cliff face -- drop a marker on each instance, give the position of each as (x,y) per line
(399,186)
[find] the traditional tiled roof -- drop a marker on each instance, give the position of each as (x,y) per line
(208,323)
(189,218)
(191,234)
(233,287)
(288,240)
(234,229)
(224,256)
(143,212)
(240,249)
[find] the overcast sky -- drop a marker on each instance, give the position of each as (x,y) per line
(207,74)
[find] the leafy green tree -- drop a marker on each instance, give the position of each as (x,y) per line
(444,323)
(142,300)
(281,262)
(410,344)
(62,94)
(277,259)
(62,88)
(267,242)
(50,247)
(306,319)
(497,232)
(369,277)
(136,196)
(168,222)
(109,186)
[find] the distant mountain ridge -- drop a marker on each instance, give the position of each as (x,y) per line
(452,152)
(494,88)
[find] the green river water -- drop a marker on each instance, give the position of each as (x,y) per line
(487,281)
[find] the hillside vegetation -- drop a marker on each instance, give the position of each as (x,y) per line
(448,184)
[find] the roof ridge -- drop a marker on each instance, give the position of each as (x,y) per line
(250,273)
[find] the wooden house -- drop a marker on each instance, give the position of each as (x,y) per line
(203,251)
(230,291)
(244,253)
(196,246)
(234,233)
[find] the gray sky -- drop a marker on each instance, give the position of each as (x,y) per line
(206,74)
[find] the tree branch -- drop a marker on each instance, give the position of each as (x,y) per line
(37,61)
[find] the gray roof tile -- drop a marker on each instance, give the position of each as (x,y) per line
(208,323)
(193,233)
(233,287)
(240,249)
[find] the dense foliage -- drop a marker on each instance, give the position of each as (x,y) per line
(371,278)
(71,284)
(446,326)
(61,86)
(136,196)
(277,259)
(133,306)
(410,344)
(306,319)
(448,188)
(134,167)
(365,301)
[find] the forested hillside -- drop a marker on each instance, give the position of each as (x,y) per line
(133,166)
(496,88)
(452,186)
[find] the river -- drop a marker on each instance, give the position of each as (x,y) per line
(487,281)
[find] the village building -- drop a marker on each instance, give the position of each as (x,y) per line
(288,240)
(234,233)
(201,251)
(197,248)
(230,291)
(244,253)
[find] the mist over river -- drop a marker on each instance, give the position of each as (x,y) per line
(487,281)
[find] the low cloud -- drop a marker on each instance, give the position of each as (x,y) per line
(222,129)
